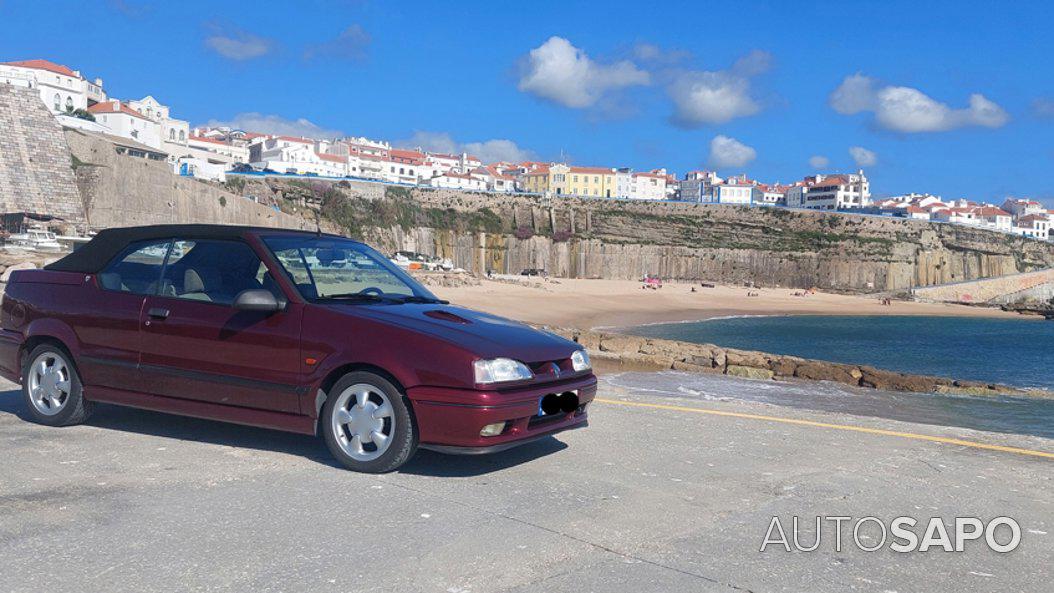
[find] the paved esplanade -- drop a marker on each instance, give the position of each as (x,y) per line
(646,499)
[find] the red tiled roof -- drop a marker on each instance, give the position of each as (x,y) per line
(655,175)
(295,139)
(209,140)
(1033,218)
(991,211)
(333,158)
(591,170)
(43,65)
(115,107)
(457,175)
(915,210)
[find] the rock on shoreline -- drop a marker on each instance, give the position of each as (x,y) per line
(707,358)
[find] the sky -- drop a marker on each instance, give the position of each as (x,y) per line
(949,98)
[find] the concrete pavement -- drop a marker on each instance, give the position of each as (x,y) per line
(645,499)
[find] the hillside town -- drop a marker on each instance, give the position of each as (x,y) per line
(146,127)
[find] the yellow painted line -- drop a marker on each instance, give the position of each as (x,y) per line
(849,427)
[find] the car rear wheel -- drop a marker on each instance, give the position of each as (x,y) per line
(367,423)
(52,388)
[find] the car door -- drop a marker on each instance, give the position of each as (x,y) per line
(196,345)
(109,328)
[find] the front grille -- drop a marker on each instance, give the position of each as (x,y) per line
(552,370)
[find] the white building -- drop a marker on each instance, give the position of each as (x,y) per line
(61,88)
(126,122)
(1036,226)
(455,180)
(1019,208)
(696,185)
(995,218)
(174,132)
(189,166)
(957,215)
(495,179)
(733,192)
(648,186)
(832,192)
(773,195)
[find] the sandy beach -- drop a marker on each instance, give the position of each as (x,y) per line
(590,304)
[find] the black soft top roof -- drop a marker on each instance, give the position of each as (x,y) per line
(95,254)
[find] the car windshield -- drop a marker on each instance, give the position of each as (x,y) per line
(330,268)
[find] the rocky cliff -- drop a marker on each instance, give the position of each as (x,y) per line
(624,240)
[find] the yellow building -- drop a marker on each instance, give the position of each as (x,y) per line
(562,179)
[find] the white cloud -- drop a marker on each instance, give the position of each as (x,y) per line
(819,161)
(1043,108)
(909,110)
(729,152)
(855,94)
(560,72)
(488,151)
(863,156)
(276,124)
(653,54)
(705,97)
(239,45)
(352,44)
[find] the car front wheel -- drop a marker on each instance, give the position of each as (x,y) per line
(367,423)
(52,388)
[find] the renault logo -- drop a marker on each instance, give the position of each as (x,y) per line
(556,369)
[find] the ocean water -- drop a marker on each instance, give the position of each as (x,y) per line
(1017,352)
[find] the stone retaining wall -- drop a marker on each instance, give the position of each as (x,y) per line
(659,354)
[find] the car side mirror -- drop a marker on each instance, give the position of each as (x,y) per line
(257,299)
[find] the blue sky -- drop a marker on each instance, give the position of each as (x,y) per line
(954,98)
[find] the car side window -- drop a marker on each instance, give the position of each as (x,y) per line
(214,272)
(137,269)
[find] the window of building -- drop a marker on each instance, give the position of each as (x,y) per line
(58,102)
(172,134)
(69,103)
(182,136)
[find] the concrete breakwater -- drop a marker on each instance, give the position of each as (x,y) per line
(658,354)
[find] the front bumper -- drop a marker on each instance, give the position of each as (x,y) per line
(450,420)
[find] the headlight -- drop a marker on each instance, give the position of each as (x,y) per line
(500,370)
(580,361)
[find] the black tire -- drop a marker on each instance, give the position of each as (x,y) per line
(403,425)
(74,409)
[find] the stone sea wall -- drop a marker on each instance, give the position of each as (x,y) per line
(659,354)
(120,190)
(36,171)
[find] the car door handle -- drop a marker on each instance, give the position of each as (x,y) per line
(158,313)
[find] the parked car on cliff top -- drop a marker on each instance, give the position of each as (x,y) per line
(251,325)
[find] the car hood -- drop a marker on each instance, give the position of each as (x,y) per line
(486,335)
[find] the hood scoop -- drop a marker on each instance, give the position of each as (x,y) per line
(446,316)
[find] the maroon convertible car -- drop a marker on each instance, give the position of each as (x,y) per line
(297,331)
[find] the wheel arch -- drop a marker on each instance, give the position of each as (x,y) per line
(33,342)
(334,375)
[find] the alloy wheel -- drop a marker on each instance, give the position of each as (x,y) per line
(49,383)
(363,421)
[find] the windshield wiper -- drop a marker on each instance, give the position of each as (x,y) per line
(420,299)
(358,296)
